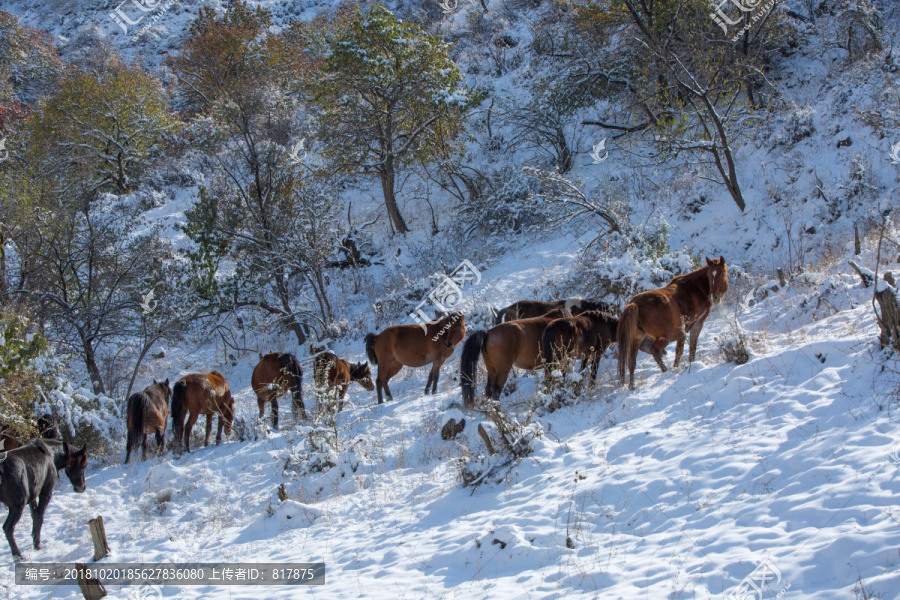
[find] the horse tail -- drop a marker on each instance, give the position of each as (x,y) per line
(626,332)
(179,396)
(468,365)
(136,405)
(370,348)
(291,366)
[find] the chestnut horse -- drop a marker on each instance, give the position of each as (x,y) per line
(333,373)
(528,309)
(407,345)
(201,394)
(46,428)
(666,314)
(148,412)
(586,336)
(513,343)
(274,375)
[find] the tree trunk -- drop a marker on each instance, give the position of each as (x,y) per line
(90,361)
(390,200)
(281,290)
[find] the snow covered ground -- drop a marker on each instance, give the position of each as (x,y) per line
(677,490)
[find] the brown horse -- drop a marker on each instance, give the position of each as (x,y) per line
(46,428)
(333,373)
(666,314)
(401,345)
(513,343)
(201,394)
(586,336)
(529,309)
(274,375)
(148,412)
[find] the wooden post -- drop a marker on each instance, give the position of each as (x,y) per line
(781,278)
(857,246)
(91,589)
(889,321)
(487,440)
(98,537)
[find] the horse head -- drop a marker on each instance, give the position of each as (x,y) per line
(164,388)
(76,463)
(457,329)
(718,279)
(361,374)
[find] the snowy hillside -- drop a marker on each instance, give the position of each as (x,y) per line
(702,482)
(678,490)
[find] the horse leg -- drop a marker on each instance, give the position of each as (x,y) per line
(261,400)
(433,376)
(143,446)
(341,395)
(37,514)
(695,335)
(160,440)
(274,413)
(392,370)
(499,382)
(657,351)
(9,527)
(208,428)
(632,361)
(679,350)
(187,431)
(221,426)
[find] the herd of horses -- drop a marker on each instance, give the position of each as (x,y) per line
(528,335)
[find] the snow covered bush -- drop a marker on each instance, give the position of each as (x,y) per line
(507,441)
(85,417)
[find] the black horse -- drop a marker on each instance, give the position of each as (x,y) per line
(28,476)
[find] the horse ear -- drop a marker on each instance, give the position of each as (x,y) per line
(722,259)
(167,381)
(709,261)
(66,447)
(260,355)
(83,449)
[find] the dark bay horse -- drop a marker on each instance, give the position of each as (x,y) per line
(667,314)
(148,412)
(586,336)
(28,476)
(46,428)
(275,375)
(528,309)
(201,394)
(513,343)
(333,373)
(408,345)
